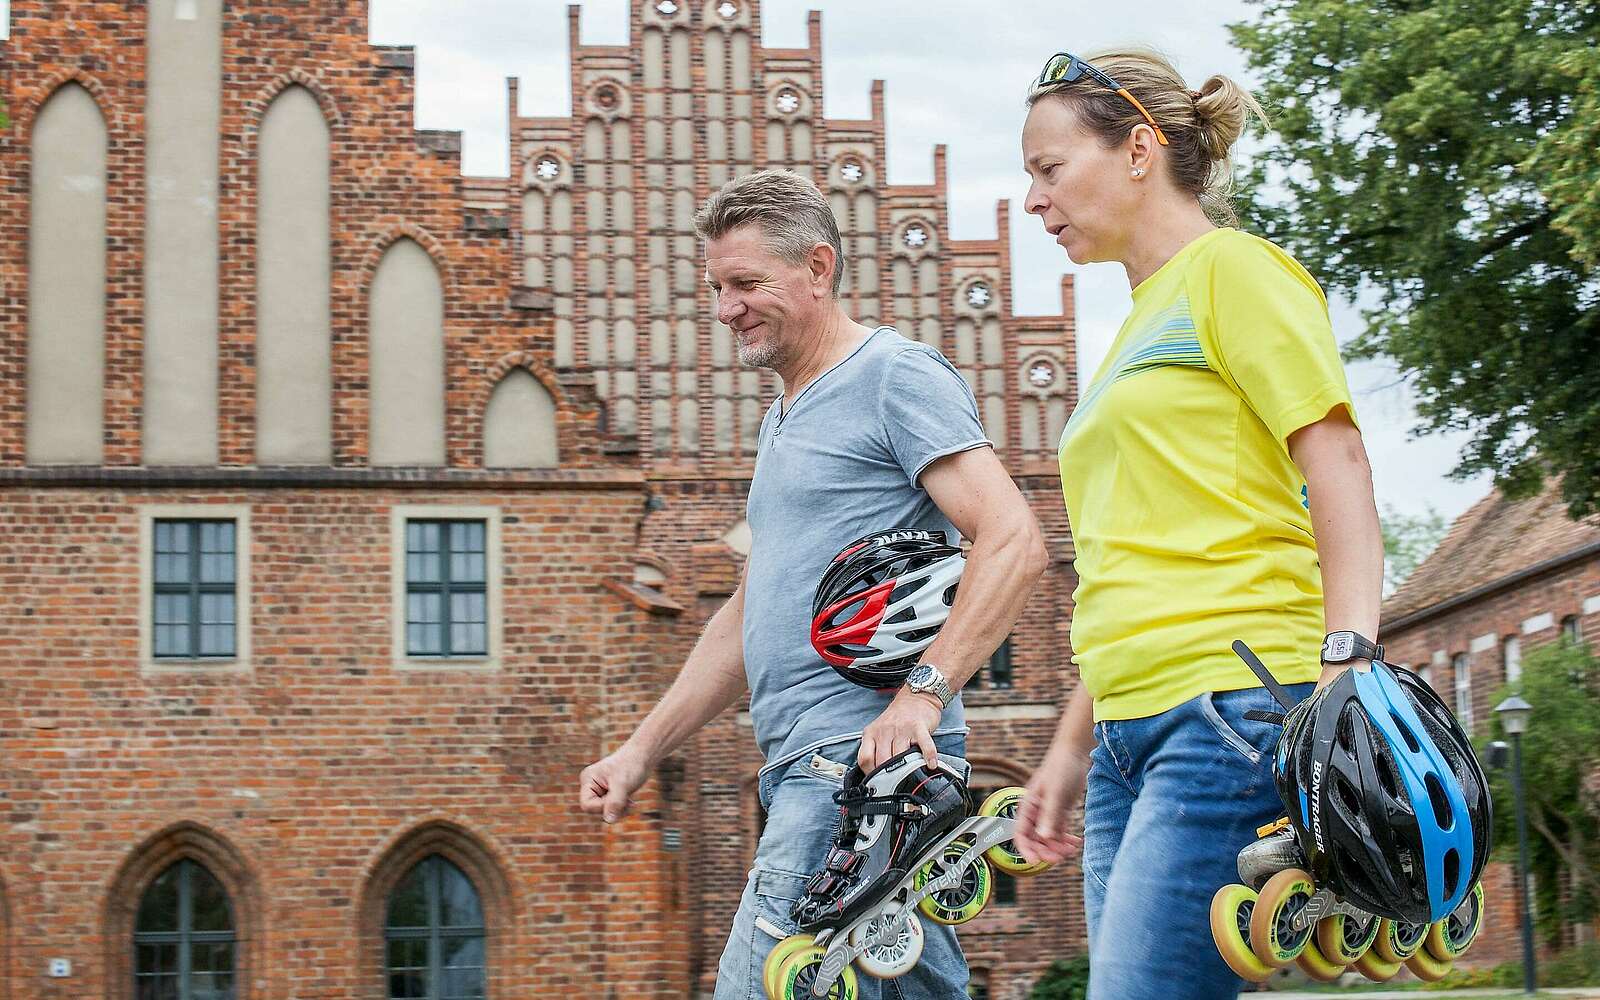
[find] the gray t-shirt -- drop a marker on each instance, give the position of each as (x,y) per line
(842,463)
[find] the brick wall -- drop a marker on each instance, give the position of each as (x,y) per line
(1434,642)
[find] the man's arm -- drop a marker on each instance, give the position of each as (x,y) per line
(1007,558)
(1330,454)
(711,679)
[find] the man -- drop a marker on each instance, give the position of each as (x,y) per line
(872,432)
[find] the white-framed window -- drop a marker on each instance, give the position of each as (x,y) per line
(1463,671)
(1512,649)
(445,567)
(194,587)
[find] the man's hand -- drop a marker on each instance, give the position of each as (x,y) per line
(908,722)
(607,785)
(1055,789)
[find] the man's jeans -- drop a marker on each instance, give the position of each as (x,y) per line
(802,820)
(1170,801)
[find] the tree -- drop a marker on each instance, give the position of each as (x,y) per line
(1065,979)
(1441,153)
(1560,782)
(1407,540)
(4,121)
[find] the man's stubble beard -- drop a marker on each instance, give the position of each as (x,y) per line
(764,355)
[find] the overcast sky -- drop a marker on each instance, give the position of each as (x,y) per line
(955,72)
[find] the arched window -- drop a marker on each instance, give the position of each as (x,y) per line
(183,937)
(434,935)
(1570,630)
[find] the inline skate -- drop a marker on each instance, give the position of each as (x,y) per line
(906,846)
(1377,864)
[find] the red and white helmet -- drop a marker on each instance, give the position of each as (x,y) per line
(882,601)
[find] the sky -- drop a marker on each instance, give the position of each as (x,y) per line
(955,72)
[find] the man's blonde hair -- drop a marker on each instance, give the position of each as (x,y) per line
(793,216)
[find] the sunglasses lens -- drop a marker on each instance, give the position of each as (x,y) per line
(1057,68)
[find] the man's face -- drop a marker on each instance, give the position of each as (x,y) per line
(771,306)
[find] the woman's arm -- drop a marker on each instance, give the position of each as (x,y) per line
(1332,457)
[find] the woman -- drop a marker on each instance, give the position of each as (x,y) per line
(1217,488)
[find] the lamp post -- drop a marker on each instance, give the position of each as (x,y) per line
(1514,713)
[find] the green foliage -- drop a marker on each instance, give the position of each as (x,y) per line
(1441,154)
(1561,783)
(1573,967)
(1066,979)
(4,121)
(1407,540)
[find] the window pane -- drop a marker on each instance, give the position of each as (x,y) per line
(211,986)
(466,536)
(408,961)
(463,952)
(463,984)
(466,567)
(157,987)
(216,640)
(469,639)
(424,608)
(216,609)
(172,609)
(459,904)
(406,985)
(208,902)
(172,640)
(158,910)
(172,551)
(212,956)
(408,905)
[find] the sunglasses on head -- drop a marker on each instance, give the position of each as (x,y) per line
(1064,67)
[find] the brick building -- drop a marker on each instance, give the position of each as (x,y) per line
(354,505)
(1508,576)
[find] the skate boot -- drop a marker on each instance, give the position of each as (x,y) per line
(905,846)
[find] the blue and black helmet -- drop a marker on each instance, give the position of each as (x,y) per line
(1385,794)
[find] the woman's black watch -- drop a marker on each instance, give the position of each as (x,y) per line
(1342,647)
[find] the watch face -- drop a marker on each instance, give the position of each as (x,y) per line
(1340,646)
(921,675)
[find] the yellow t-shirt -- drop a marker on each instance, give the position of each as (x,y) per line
(1191,522)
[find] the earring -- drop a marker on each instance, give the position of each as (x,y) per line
(1138,171)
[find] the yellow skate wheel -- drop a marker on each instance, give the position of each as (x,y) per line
(898,957)
(1230,929)
(1427,968)
(1449,939)
(1003,802)
(958,905)
(1375,968)
(775,958)
(1344,939)
(798,974)
(1398,940)
(1313,964)
(1272,933)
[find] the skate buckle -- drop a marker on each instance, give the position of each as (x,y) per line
(1278,824)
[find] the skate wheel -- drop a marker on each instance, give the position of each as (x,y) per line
(1004,855)
(896,958)
(1449,939)
(1427,968)
(1344,939)
(775,958)
(1375,968)
(798,974)
(1272,933)
(958,905)
(1312,962)
(1230,929)
(1398,940)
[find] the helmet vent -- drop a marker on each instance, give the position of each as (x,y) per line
(950,595)
(1406,734)
(1347,795)
(906,615)
(906,589)
(1452,872)
(1439,801)
(918,634)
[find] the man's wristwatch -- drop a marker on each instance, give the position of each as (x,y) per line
(1342,647)
(925,678)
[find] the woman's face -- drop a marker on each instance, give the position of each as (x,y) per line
(1079,189)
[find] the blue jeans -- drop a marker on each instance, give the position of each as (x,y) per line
(801,822)
(1170,800)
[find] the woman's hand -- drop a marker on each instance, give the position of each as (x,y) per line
(1054,792)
